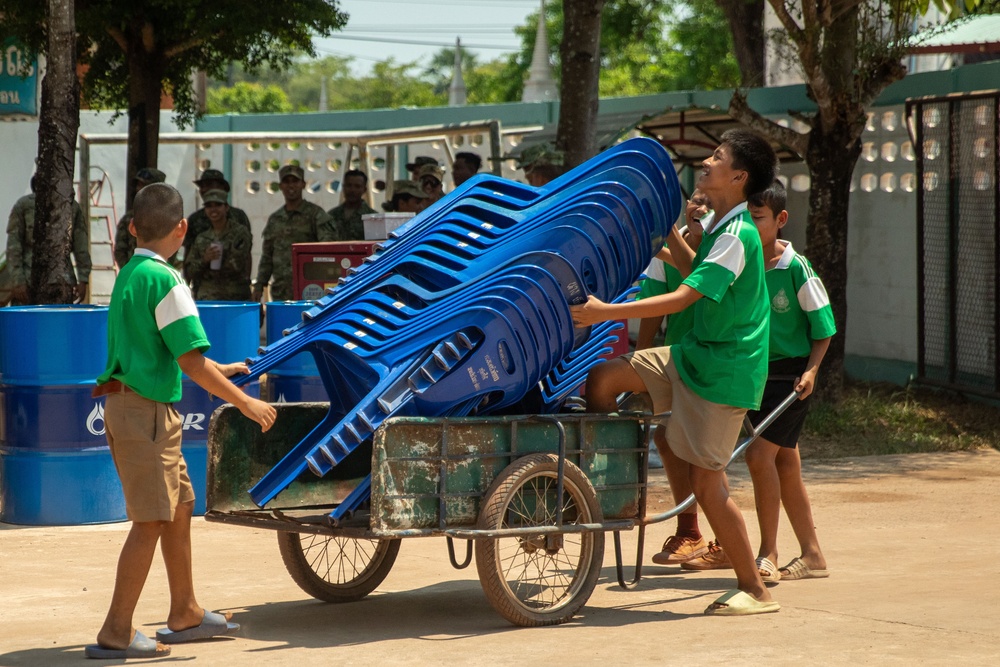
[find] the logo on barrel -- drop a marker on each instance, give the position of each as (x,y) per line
(96,426)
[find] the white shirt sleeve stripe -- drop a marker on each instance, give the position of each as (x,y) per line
(812,295)
(176,305)
(655,270)
(728,253)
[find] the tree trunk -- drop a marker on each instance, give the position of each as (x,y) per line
(58,124)
(746,23)
(145,80)
(831,158)
(580,52)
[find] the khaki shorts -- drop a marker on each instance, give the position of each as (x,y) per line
(145,440)
(698,431)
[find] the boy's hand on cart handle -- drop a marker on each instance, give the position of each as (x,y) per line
(259,411)
(235,368)
(589,313)
(805,384)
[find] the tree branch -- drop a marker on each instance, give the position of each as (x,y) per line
(180,48)
(118,36)
(741,111)
(787,21)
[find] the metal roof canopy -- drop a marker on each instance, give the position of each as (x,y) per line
(692,134)
(971,34)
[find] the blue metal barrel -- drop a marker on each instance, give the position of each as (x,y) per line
(298,378)
(55,466)
(233,329)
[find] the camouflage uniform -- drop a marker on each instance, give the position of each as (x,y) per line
(21,240)
(308,224)
(349,226)
(232,281)
(198,222)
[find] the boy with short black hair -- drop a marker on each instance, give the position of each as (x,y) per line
(717,371)
(153,334)
(801,327)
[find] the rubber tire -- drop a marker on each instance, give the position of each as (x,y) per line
(371,574)
(488,551)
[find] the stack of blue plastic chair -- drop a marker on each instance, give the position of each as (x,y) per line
(465,309)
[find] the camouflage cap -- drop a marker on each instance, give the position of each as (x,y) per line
(150,175)
(291,170)
(220,196)
(540,155)
(430,170)
(421,161)
(210,175)
(408,188)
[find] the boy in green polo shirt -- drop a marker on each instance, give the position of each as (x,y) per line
(153,334)
(718,369)
(801,327)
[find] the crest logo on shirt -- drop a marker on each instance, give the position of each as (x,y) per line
(780,303)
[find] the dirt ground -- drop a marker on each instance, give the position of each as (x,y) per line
(911,542)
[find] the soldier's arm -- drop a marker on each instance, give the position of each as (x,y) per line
(194,264)
(237,256)
(265,264)
(15,247)
(241,217)
(81,245)
(325,230)
(121,242)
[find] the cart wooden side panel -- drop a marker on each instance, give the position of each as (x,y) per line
(432,473)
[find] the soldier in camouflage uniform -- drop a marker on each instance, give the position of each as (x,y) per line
(346,218)
(124,241)
(226,242)
(298,221)
(20,244)
(541,163)
(198,222)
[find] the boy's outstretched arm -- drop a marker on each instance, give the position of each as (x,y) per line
(807,383)
(681,253)
(211,377)
(595,310)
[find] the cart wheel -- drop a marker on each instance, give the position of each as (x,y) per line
(336,569)
(543,579)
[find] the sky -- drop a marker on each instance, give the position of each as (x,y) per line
(378,29)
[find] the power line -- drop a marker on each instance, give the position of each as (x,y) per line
(387,40)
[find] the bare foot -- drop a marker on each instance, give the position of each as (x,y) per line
(192,620)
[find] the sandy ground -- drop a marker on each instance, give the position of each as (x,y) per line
(911,542)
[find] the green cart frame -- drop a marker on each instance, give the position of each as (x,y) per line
(533,497)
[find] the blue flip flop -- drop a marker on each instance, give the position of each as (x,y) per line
(141,647)
(212,625)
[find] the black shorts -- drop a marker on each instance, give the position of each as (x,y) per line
(781,375)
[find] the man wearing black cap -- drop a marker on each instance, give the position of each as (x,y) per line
(124,241)
(298,221)
(198,222)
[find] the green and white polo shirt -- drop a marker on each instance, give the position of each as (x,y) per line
(800,307)
(724,357)
(152,321)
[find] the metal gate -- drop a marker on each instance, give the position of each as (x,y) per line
(957,144)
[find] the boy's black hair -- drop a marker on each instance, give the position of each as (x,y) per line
(774,197)
(470,159)
(753,154)
(356,172)
(157,209)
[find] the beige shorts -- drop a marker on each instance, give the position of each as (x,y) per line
(698,431)
(145,440)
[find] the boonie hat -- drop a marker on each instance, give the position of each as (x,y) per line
(210,175)
(539,156)
(408,188)
(220,196)
(150,175)
(430,170)
(291,170)
(421,161)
